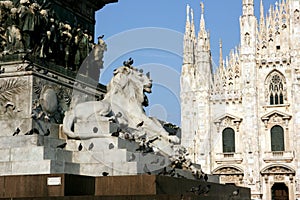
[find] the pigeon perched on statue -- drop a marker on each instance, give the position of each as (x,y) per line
(128,63)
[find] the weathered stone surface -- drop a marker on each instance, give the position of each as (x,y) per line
(19,141)
(27,153)
(104,156)
(127,144)
(114,169)
(5,168)
(5,155)
(95,127)
(31,167)
(254,90)
(58,166)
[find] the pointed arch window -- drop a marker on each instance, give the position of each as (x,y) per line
(228,137)
(277,138)
(276,89)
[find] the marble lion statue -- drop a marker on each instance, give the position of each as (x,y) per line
(124,104)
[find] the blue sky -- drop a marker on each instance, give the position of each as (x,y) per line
(151,33)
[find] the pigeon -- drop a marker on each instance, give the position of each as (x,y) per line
(91,146)
(32,131)
(61,146)
(128,63)
(36,131)
(47,132)
(151,141)
(17,131)
(29,132)
(163,172)
(205,177)
(112,120)
(105,173)
(172,172)
(142,147)
(80,147)
(148,74)
(140,124)
(117,133)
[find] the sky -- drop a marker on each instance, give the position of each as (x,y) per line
(151,32)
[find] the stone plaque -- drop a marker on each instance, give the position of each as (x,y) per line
(53,181)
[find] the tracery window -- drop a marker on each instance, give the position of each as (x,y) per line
(277,138)
(276,89)
(228,137)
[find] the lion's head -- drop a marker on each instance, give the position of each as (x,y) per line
(131,83)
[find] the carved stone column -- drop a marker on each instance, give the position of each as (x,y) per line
(266,187)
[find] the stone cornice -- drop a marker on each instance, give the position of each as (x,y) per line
(228,120)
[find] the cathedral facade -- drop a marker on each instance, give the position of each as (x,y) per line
(241,121)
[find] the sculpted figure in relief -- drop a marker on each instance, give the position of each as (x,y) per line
(82,46)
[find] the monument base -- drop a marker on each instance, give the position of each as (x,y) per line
(59,186)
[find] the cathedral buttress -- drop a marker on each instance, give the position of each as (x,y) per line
(196,79)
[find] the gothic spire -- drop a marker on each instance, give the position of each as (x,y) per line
(187,51)
(188,23)
(203,35)
(193,32)
(187,12)
(248,7)
(202,21)
(262,17)
(261,10)
(221,54)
